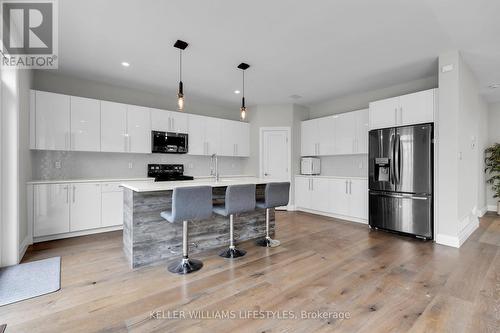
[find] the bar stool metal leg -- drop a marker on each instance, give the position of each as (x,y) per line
(186,265)
(268,241)
(232,252)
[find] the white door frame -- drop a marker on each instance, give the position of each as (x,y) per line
(261,149)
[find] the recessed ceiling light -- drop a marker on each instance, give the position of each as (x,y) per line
(237,91)
(494,86)
(125,64)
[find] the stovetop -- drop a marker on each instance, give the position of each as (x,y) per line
(167,172)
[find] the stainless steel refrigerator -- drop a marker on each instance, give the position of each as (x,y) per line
(401,180)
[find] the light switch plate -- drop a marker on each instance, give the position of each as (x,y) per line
(57,164)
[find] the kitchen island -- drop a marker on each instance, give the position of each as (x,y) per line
(149,239)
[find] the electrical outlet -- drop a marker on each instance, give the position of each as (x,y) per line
(57,164)
(130,165)
(190,166)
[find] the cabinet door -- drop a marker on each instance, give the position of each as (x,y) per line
(345,133)
(417,108)
(160,120)
(320,189)
(212,132)
(112,205)
(51,209)
(361,131)
(358,198)
(308,138)
(303,192)
(85,124)
(384,113)
(138,129)
(85,211)
(242,139)
(325,132)
(178,122)
(113,127)
(227,138)
(52,125)
(196,135)
(339,197)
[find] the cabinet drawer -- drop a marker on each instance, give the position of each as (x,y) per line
(111,187)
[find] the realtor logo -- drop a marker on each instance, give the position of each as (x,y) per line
(29,34)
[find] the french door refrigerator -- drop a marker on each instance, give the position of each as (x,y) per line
(401,180)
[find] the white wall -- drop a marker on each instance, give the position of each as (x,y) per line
(460,136)
(493,137)
(15,163)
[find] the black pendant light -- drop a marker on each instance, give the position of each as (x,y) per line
(181,45)
(243,108)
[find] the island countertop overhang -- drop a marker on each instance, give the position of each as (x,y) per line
(170,185)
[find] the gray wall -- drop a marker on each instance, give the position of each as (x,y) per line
(282,115)
(95,165)
(48,81)
(361,100)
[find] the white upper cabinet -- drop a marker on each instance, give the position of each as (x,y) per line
(384,113)
(361,131)
(51,121)
(416,108)
(169,121)
(340,134)
(345,133)
(113,127)
(196,135)
(85,124)
(71,123)
(138,129)
(309,138)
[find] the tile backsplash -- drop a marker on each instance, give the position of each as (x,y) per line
(49,165)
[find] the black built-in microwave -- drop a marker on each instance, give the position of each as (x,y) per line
(169,143)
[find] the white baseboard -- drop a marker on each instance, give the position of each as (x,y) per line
(24,246)
(482,211)
(492,208)
(468,230)
(76,233)
(448,240)
(336,216)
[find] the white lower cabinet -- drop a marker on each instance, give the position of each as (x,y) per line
(112,205)
(51,209)
(85,208)
(343,197)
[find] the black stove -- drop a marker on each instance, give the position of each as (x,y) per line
(167,172)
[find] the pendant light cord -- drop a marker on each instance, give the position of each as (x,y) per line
(180,65)
(243,83)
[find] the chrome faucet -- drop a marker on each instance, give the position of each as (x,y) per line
(214,167)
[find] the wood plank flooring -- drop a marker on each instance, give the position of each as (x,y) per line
(383,282)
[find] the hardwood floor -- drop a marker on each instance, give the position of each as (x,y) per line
(383,282)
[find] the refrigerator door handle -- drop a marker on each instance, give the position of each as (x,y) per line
(393,160)
(397,158)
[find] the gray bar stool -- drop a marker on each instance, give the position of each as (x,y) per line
(239,199)
(188,204)
(275,195)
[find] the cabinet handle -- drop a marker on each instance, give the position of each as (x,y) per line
(346,187)
(400,115)
(74,193)
(173,125)
(312,184)
(350,186)
(67,193)
(395,115)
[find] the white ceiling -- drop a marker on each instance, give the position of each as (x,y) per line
(316,49)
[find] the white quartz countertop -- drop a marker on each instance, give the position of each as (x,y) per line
(331,177)
(170,185)
(89,180)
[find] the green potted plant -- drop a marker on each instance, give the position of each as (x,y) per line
(492,162)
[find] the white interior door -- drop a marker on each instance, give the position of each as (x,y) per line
(275,154)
